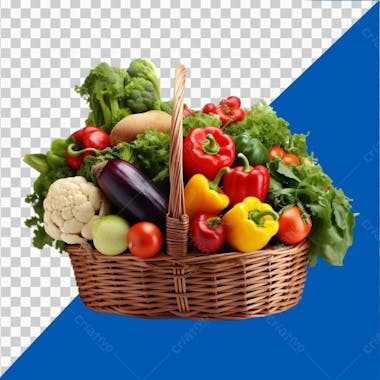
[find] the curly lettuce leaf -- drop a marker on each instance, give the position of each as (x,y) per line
(200,120)
(263,123)
(151,152)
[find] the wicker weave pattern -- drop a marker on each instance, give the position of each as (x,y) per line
(182,284)
(220,286)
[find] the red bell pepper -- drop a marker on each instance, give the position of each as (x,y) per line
(208,233)
(87,141)
(206,151)
(245,181)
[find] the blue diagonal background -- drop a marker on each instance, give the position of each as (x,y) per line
(334,331)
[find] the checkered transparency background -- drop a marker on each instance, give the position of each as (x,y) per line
(251,49)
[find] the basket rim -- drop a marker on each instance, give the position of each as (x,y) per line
(195,257)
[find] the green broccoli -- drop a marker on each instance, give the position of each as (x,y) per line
(143,68)
(141,96)
(104,90)
(113,93)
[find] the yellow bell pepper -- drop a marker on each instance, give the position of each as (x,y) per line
(250,225)
(203,195)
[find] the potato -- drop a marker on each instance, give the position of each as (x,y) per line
(128,128)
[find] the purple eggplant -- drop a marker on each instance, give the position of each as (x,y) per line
(136,196)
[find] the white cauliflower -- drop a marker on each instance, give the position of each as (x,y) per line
(71,206)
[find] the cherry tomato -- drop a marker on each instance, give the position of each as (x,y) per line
(186,111)
(228,110)
(233,102)
(238,114)
(144,240)
(209,108)
(224,117)
(294,226)
(208,233)
(276,151)
(289,158)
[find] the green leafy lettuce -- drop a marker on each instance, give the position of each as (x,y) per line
(151,156)
(200,120)
(263,123)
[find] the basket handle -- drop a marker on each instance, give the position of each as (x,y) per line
(177,222)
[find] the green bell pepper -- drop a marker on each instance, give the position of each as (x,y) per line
(58,147)
(56,157)
(54,160)
(252,148)
(37,161)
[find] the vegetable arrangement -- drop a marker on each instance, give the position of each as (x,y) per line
(249,181)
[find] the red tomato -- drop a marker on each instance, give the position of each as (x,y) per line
(144,240)
(224,117)
(294,227)
(238,114)
(289,158)
(208,233)
(209,108)
(186,110)
(233,102)
(276,151)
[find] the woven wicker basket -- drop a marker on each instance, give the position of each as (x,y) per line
(182,284)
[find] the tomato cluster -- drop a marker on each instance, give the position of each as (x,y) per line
(287,158)
(228,110)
